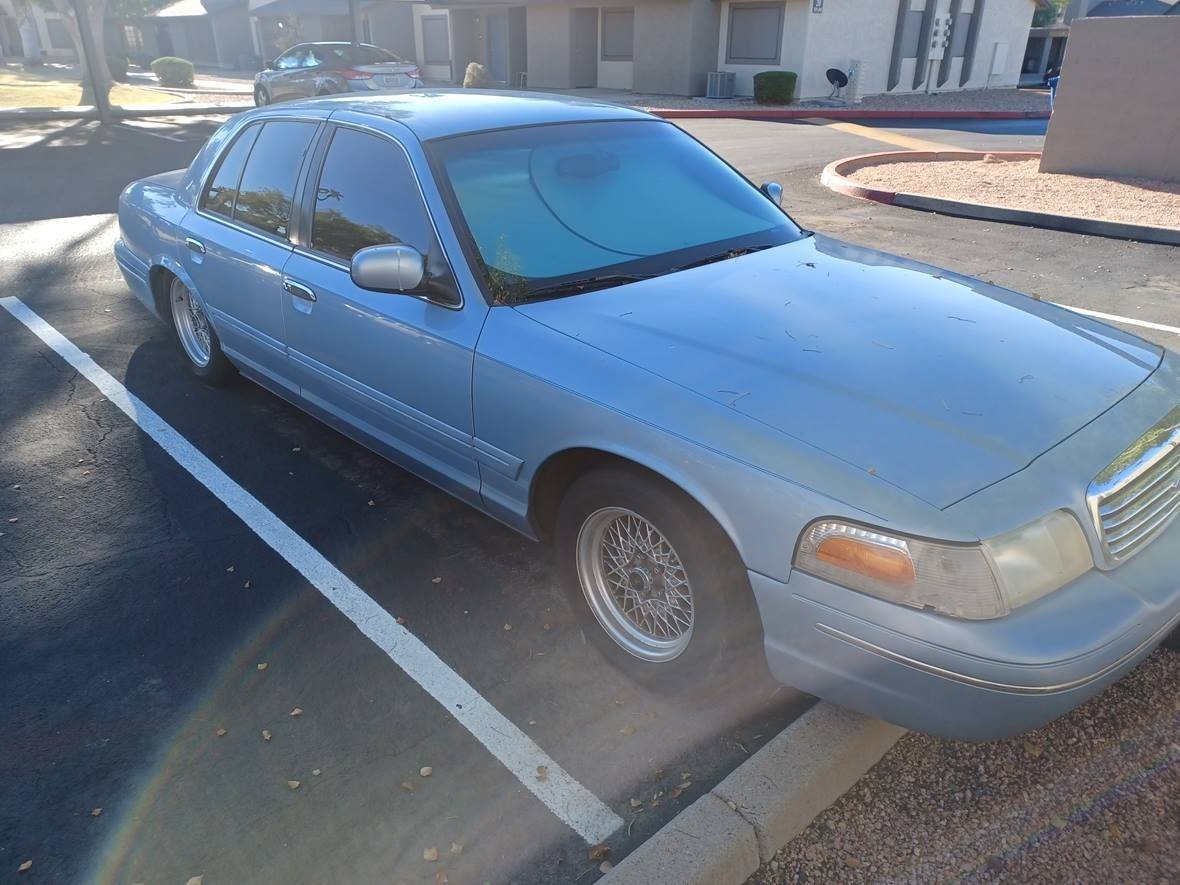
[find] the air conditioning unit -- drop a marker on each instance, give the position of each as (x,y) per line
(721,84)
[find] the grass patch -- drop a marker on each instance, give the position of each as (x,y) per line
(55,88)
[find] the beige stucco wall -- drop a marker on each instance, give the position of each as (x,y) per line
(862,31)
(1118,110)
(430,72)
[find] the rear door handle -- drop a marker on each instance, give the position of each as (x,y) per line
(196,245)
(298,289)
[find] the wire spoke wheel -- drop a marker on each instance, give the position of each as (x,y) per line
(635,584)
(192,326)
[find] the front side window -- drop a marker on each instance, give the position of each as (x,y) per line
(291,59)
(547,206)
(367,196)
(268,181)
(222,191)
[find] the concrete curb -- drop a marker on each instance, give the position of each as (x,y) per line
(835,177)
(727,834)
(840,114)
(83,112)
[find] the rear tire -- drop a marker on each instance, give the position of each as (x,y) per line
(656,584)
(261,97)
(194,333)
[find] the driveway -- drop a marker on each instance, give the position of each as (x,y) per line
(149,610)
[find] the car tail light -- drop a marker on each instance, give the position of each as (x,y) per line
(349,74)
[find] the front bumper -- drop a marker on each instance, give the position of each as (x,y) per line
(971,680)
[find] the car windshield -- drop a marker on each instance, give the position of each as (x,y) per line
(559,209)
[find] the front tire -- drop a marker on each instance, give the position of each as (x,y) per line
(198,342)
(655,582)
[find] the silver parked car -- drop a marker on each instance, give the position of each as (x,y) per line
(311,69)
(920,495)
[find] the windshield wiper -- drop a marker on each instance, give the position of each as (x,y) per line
(724,256)
(586,284)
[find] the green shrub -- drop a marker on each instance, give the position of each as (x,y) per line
(117,65)
(171,71)
(774,87)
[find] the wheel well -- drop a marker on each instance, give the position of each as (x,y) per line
(558,473)
(160,279)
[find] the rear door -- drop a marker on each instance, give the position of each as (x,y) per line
(396,367)
(237,241)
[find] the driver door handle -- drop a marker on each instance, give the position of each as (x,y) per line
(195,245)
(298,289)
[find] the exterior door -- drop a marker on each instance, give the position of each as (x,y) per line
(395,367)
(237,242)
(584,48)
(497,24)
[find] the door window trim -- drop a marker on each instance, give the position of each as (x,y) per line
(310,185)
(300,179)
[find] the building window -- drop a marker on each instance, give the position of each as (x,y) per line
(755,34)
(59,36)
(618,34)
(436,42)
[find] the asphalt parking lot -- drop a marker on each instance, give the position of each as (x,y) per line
(143,618)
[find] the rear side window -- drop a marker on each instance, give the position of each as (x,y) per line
(355,208)
(223,188)
(268,182)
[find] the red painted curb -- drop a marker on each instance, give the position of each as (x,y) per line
(842,114)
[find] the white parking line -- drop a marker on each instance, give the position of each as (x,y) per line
(580,809)
(1115,318)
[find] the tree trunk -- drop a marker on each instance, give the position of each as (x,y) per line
(95,11)
(30,43)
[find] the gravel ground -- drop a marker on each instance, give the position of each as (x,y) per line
(1093,797)
(977,100)
(1017,184)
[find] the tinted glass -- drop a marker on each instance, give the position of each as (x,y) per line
(549,204)
(268,184)
(223,188)
(292,58)
(367,196)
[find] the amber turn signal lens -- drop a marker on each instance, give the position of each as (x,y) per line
(888,564)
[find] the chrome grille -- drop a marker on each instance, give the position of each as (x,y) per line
(1138,495)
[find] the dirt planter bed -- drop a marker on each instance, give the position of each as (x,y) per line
(1131,208)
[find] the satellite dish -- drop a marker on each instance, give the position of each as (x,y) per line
(838,79)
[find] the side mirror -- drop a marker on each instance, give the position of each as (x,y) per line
(774,191)
(393,268)
(269,64)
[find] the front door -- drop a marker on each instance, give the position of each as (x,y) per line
(584,48)
(236,242)
(498,47)
(395,367)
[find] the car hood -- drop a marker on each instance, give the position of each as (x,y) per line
(937,383)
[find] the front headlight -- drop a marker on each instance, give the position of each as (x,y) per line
(974,581)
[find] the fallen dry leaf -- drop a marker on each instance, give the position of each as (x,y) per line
(298,711)
(25,867)
(440,878)
(599,851)
(195,880)
(407,786)
(532,722)
(436,580)
(14,519)
(732,805)
(636,803)
(426,771)
(266,735)
(626,731)
(95,812)
(685,775)
(507,627)
(401,620)
(606,866)
(221,732)
(430,854)
(372,503)
(543,773)
(246,586)
(230,569)
(545,627)
(456,848)
(316,772)
(263,665)
(294,785)
(674,793)
(619,702)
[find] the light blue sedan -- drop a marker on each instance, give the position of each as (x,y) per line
(922,496)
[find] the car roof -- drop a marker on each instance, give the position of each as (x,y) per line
(439,113)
